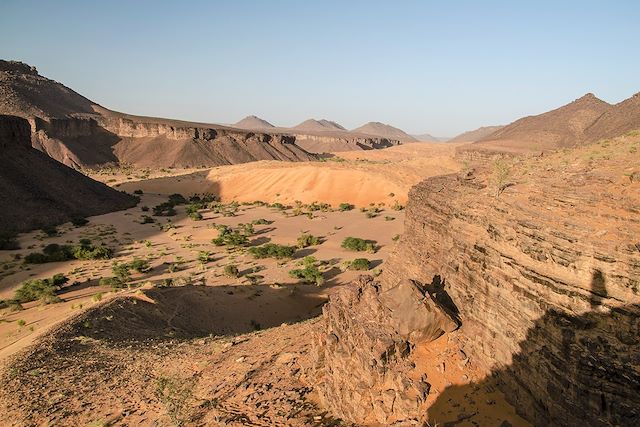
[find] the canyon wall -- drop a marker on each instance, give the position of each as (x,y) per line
(37,190)
(545,279)
(97,140)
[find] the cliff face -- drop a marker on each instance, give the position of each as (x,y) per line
(41,191)
(545,278)
(346,142)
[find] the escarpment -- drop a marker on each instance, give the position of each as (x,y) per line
(545,280)
(39,190)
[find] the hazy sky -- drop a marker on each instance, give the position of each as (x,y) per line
(440,67)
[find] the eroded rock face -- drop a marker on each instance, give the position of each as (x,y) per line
(545,279)
(363,346)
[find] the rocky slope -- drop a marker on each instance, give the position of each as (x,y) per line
(41,191)
(562,127)
(541,265)
(622,118)
(80,133)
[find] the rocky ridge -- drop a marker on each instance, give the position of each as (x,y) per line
(548,303)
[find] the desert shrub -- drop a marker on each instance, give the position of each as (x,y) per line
(146,219)
(164,209)
(345,207)
(310,273)
(272,250)
(97,297)
(144,208)
(397,206)
(501,171)
(40,289)
(87,251)
(305,240)
(231,270)
(358,245)
(278,206)
(359,264)
(112,282)
(139,192)
(204,257)
(50,230)
(139,265)
(315,206)
(388,218)
(196,216)
(395,238)
(230,237)
(261,221)
(8,242)
(177,199)
(79,221)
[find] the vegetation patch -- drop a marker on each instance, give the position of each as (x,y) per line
(43,290)
(273,250)
(359,245)
(310,273)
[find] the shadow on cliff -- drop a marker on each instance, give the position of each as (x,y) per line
(571,370)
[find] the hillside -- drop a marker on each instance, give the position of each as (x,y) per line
(386,131)
(560,128)
(253,123)
(41,191)
(80,133)
(476,134)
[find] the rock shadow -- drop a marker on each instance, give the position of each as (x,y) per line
(570,370)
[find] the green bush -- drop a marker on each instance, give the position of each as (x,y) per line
(230,237)
(231,270)
(272,250)
(57,253)
(196,216)
(261,221)
(139,192)
(146,219)
(40,289)
(359,245)
(310,273)
(139,265)
(359,264)
(345,207)
(397,206)
(306,240)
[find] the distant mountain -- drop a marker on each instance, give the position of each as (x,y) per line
(253,123)
(474,135)
(563,127)
(425,137)
(385,131)
(42,191)
(313,125)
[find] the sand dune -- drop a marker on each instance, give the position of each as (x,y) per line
(360,178)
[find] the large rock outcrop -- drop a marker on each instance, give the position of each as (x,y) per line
(363,348)
(36,190)
(546,280)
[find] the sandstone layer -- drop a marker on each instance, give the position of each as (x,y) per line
(542,267)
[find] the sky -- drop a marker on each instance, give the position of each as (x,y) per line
(438,67)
